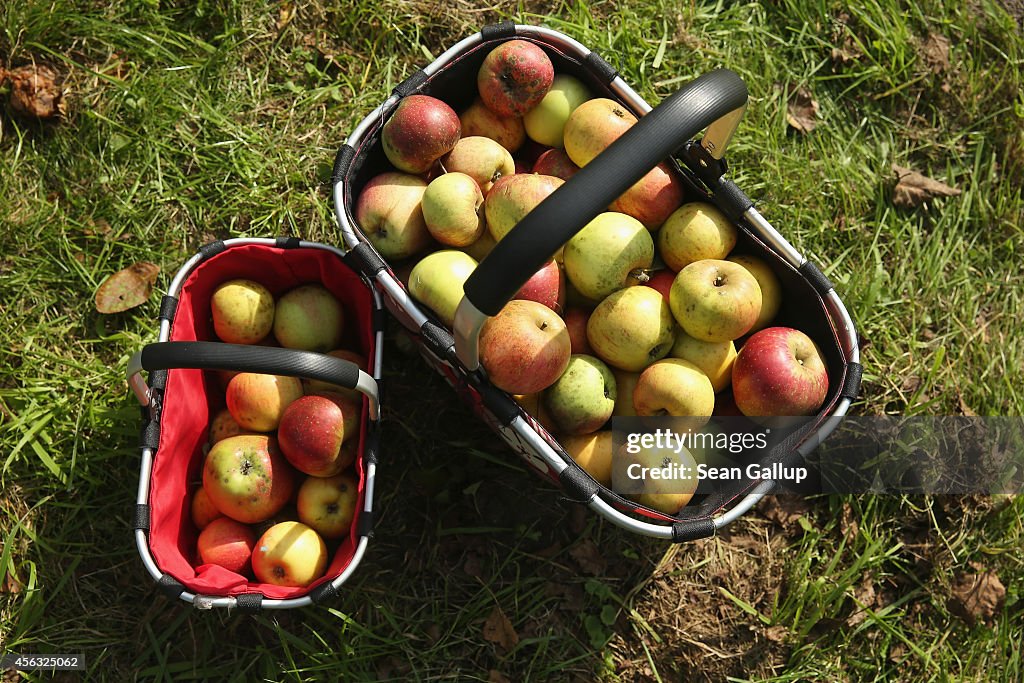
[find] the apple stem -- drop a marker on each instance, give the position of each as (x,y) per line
(641,275)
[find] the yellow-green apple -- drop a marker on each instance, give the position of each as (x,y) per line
(453,208)
(289,554)
(600,257)
(257,401)
(546,286)
(507,131)
(421,130)
(309,318)
(675,387)
(514,196)
(222,426)
(482,247)
(481,158)
(514,77)
(390,212)
(247,477)
(583,398)
(545,123)
(202,509)
(715,300)
(658,478)
(437,281)
(695,231)
(555,162)
(768,282)
(575,319)
(573,297)
(312,386)
(715,359)
(653,198)
(779,371)
(593,126)
(328,504)
(243,311)
(592,452)
(524,348)
(632,328)
(313,430)
(228,544)
(625,383)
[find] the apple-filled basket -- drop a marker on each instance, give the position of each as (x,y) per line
(458,334)
(245,544)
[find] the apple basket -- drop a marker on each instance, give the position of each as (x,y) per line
(713,103)
(183,393)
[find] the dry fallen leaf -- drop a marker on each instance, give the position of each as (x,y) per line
(495,676)
(913,189)
(126,288)
(36,91)
(588,557)
(976,597)
(499,630)
(802,110)
(936,52)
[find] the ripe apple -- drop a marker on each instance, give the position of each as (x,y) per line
(779,371)
(714,359)
(421,130)
(592,452)
(675,387)
(202,510)
(593,126)
(507,131)
(693,232)
(546,286)
(453,209)
(257,401)
(545,123)
(667,495)
(601,256)
(576,322)
(715,300)
(328,505)
(222,426)
(286,514)
(514,77)
(653,198)
(243,311)
(768,282)
(524,348)
(437,281)
(481,158)
(481,248)
(632,328)
(247,478)
(312,386)
(390,212)
(583,398)
(227,543)
(555,162)
(313,429)
(289,554)
(625,383)
(661,280)
(514,196)
(309,318)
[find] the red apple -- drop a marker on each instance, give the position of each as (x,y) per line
(421,130)
(514,196)
(257,401)
(507,131)
(576,322)
(514,77)
(202,509)
(555,162)
(653,198)
(313,430)
(227,543)
(779,371)
(247,478)
(481,158)
(546,286)
(524,348)
(223,425)
(661,280)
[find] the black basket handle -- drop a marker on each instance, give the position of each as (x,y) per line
(717,95)
(245,358)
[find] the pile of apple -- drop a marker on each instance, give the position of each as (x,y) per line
(277,478)
(640,313)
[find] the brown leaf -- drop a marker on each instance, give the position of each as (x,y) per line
(589,557)
(499,630)
(495,676)
(865,598)
(913,189)
(36,91)
(777,633)
(976,597)
(474,565)
(936,52)
(126,288)
(784,510)
(802,110)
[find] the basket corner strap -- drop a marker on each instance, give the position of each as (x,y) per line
(851,383)
(503,29)
(692,530)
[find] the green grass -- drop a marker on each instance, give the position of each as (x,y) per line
(197,120)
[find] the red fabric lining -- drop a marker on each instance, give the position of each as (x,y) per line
(192,397)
